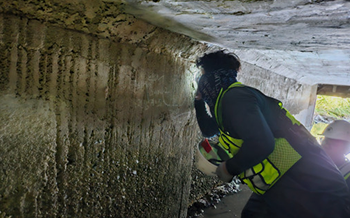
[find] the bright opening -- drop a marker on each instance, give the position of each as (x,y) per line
(329,108)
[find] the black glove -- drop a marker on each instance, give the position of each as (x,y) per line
(223,174)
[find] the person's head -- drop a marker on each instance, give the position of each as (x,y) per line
(219,60)
(220,71)
(336,140)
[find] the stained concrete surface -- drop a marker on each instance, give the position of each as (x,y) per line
(307,40)
(230,206)
(91,127)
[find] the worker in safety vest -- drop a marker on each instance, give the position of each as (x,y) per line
(336,143)
(269,150)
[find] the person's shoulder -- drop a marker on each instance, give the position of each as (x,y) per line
(241,94)
(242,91)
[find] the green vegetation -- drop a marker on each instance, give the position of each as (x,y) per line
(336,107)
(329,108)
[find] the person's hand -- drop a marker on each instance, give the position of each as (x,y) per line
(223,174)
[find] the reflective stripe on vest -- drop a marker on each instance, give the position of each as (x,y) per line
(264,175)
(345,170)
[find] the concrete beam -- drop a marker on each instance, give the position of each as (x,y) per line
(299,99)
(334,90)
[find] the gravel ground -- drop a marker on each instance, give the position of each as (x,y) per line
(212,198)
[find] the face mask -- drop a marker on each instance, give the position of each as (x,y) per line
(211,83)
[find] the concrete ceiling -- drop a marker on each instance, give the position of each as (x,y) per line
(307,40)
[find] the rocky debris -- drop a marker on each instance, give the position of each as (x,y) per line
(327,119)
(323,119)
(212,198)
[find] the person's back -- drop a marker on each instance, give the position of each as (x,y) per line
(270,151)
(311,179)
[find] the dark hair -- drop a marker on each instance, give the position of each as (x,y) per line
(219,60)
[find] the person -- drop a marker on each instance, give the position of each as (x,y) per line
(270,151)
(336,143)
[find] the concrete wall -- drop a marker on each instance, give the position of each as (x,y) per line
(91,127)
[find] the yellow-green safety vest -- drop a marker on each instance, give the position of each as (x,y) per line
(345,170)
(264,175)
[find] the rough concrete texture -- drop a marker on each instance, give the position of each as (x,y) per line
(92,128)
(310,38)
(27,157)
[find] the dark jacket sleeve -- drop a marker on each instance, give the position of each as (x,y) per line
(243,118)
(206,123)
